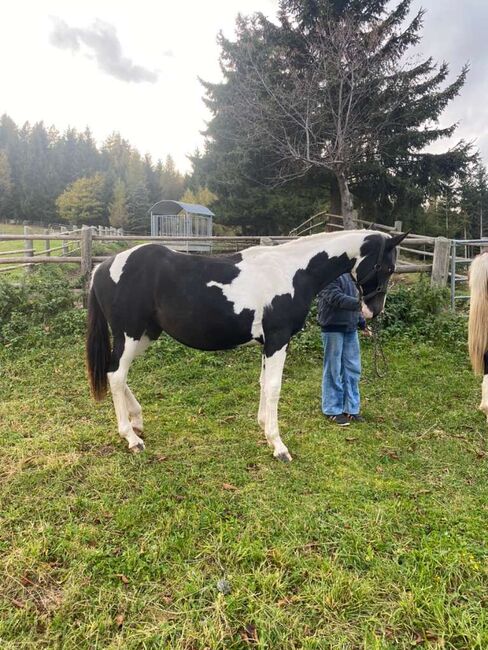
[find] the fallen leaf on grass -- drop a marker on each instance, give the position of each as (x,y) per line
(351,439)
(160,458)
(17,603)
(229,486)
(119,619)
(249,634)
(124,578)
(391,453)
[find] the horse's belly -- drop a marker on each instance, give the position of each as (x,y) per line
(206,332)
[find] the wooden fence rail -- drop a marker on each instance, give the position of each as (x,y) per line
(77,248)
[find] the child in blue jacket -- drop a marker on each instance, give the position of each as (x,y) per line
(339,316)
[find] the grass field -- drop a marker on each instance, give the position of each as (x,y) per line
(374,537)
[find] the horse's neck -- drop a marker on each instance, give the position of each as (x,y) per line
(326,256)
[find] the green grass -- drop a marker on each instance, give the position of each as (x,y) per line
(374,537)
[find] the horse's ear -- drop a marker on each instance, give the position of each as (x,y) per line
(395,240)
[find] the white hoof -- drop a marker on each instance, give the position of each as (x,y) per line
(137,446)
(283,455)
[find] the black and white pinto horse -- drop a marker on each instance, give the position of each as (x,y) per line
(262,294)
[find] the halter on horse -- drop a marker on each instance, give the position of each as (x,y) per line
(261,294)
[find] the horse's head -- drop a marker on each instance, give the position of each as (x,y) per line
(376,264)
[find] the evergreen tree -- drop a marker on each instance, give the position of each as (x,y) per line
(5,185)
(38,164)
(171,182)
(327,89)
(83,201)
(152,175)
(138,197)
(117,213)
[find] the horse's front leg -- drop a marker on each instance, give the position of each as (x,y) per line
(273,374)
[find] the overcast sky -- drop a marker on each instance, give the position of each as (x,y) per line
(132,67)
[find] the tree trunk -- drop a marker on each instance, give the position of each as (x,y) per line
(335,196)
(346,202)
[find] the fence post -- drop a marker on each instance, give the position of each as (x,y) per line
(47,243)
(28,247)
(398,226)
(440,265)
(86,258)
(64,244)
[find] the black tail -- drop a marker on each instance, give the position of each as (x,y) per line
(97,347)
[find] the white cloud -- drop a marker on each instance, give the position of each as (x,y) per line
(101,39)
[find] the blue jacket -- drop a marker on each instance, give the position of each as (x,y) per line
(339,306)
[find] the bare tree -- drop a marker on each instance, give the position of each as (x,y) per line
(327,100)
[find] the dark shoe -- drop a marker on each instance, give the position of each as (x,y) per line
(341,420)
(354,418)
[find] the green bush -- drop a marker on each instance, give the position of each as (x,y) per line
(422,312)
(41,304)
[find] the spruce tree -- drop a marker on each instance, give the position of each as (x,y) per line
(118,214)
(328,89)
(5,185)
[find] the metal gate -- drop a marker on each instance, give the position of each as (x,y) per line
(462,253)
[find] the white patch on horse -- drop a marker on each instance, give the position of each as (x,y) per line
(117,266)
(366,311)
(269,272)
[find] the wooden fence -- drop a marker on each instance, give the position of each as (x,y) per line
(418,254)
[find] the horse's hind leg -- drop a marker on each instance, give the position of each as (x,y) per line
(135,410)
(133,406)
(124,351)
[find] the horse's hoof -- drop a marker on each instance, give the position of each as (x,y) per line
(284,457)
(137,448)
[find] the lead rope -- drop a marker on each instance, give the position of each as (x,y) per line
(380,364)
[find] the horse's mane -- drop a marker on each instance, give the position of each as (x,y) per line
(478,312)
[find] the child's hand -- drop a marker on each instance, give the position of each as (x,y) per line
(367,332)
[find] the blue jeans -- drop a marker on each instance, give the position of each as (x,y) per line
(341,373)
